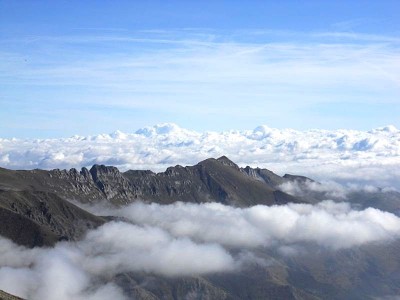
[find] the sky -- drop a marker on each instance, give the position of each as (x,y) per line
(89,67)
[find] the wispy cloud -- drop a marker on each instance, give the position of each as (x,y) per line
(191,72)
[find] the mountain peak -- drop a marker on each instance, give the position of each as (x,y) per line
(227,162)
(104,168)
(98,170)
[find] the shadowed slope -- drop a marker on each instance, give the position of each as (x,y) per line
(41,218)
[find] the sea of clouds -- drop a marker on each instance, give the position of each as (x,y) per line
(340,155)
(196,239)
(184,239)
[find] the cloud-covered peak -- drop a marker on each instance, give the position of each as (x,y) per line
(371,156)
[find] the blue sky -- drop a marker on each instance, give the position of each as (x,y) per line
(86,67)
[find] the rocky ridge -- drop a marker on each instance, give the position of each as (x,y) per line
(218,180)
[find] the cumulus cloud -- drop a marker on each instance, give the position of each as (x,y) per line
(351,156)
(131,248)
(81,270)
(329,224)
(184,239)
(49,274)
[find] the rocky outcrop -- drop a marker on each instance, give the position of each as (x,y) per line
(112,183)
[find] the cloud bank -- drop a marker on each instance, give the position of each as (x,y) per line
(183,239)
(370,157)
(83,270)
(329,189)
(328,224)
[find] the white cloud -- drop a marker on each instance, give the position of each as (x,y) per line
(329,224)
(81,270)
(184,239)
(49,274)
(330,189)
(117,247)
(367,157)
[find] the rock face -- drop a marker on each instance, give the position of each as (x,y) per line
(35,218)
(218,180)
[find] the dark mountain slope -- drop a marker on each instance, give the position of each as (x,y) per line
(365,272)
(23,231)
(42,218)
(249,284)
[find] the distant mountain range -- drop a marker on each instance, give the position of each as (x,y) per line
(218,180)
(37,208)
(340,155)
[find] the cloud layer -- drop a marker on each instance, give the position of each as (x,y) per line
(328,224)
(345,155)
(183,239)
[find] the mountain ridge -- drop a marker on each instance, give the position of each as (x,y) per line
(219,180)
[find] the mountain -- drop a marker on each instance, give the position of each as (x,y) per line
(218,180)
(37,210)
